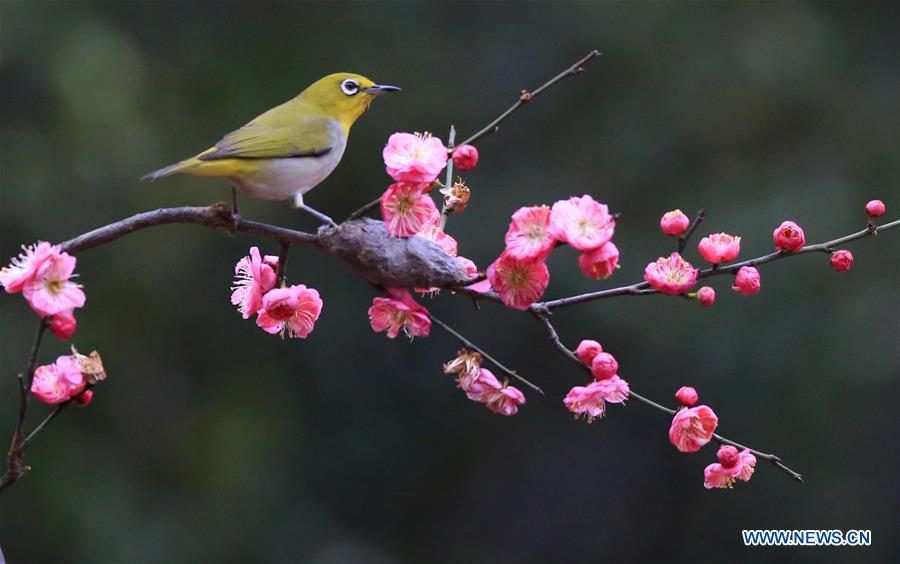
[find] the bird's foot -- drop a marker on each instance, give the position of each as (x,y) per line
(317,214)
(235,219)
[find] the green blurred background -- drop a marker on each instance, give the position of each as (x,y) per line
(212,441)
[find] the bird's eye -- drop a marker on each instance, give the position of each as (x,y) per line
(350,87)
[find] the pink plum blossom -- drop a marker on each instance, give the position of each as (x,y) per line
(582,222)
(292,311)
(399,311)
(875,208)
(590,400)
(407,210)
(479,385)
(436,235)
(674,223)
(732,465)
(587,350)
(25,267)
(467,367)
(604,365)
(471,268)
(505,401)
(253,277)
(719,247)
(465,157)
(672,275)
(50,290)
(746,281)
(692,427)
(687,396)
(600,263)
(789,237)
(486,389)
(706,296)
(519,283)
(528,237)
(414,157)
(63,324)
(841,260)
(58,382)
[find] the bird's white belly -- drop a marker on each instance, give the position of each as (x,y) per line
(280,179)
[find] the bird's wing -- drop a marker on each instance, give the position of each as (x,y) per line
(304,137)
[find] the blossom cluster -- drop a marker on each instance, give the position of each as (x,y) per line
(68,379)
(414,161)
(480,384)
(520,274)
(590,401)
(287,310)
(399,311)
(43,274)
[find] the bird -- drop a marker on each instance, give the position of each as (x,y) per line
(287,151)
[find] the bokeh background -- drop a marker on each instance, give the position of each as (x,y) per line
(212,441)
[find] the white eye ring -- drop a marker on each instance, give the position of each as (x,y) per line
(349,87)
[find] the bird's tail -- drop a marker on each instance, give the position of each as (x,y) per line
(169,170)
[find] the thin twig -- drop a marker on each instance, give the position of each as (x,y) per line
(282,262)
(525,96)
(643,288)
(364,210)
(554,338)
(445,209)
(15,457)
(698,219)
(44,423)
(511,373)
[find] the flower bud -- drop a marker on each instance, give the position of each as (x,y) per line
(687,396)
(601,262)
(465,157)
(746,282)
(84,398)
(789,237)
(875,208)
(841,260)
(674,223)
(728,456)
(63,324)
(587,350)
(706,296)
(604,366)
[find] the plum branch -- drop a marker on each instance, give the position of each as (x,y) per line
(643,288)
(544,319)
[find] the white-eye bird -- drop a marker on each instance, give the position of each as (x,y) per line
(287,151)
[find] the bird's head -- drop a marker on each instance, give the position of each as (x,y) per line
(344,96)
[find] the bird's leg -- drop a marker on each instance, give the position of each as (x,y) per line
(235,212)
(298,203)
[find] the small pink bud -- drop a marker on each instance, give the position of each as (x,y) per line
(789,237)
(465,157)
(706,296)
(587,350)
(728,456)
(875,208)
(841,260)
(84,398)
(687,396)
(674,223)
(63,324)
(747,281)
(604,366)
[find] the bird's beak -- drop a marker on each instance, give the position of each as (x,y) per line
(377,89)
